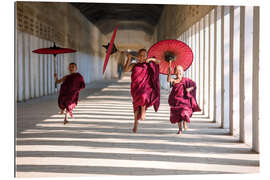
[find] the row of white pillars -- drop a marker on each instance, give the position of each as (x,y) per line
(35,72)
(221,56)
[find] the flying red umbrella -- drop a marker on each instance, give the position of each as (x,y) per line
(54,50)
(171,50)
(109,51)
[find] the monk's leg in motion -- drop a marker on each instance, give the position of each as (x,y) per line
(180,127)
(62,111)
(143,112)
(136,122)
(185,125)
(65,120)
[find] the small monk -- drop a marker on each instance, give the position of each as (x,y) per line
(182,98)
(69,91)
(145,87)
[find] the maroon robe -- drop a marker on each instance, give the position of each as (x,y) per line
(69,92)
(183,103)
(145,88)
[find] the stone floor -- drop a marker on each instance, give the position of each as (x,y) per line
(99,139)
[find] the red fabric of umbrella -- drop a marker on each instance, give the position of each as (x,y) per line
(171,50)
(54,50)
(109,50)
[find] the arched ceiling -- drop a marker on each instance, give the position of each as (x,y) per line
(129,16)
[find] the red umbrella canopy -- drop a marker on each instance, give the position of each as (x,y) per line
(54,50)
(111,45)
(171,50)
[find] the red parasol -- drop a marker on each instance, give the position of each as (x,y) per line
(111,45)
(171,50)
(54,50)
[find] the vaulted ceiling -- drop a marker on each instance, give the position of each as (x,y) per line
(129,16)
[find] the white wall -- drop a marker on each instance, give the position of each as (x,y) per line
(35,71)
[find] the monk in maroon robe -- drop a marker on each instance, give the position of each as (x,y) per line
(69,91)
(182,99)
(145,88)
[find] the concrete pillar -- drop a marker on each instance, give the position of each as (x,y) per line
(195,54)
(24,66)
(214,65)
(201,64)
(16,75)
(44,59)
(242,76)
(255,79)
(191,46)
(231,70)
(197,31)
(35,68)
(40,74)
(209,64)
(204,91)
(48,70)
(185,40)
(20,69)
(31,68)
(222,66)
(30,62)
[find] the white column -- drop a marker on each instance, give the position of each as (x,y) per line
(209,64)
(190,45)
(36,68)
(30,63)
(215,66)
(25,68)
(45,71)
(194,43)
(242,76)
(16,70)
(197,31)
(20,69)
(204,91)
(231,70)
(255,77)
(222,66)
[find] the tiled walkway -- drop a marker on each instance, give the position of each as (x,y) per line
(99,139)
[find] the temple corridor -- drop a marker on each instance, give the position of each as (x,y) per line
(222,139)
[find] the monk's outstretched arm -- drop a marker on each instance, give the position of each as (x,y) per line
(153,60)
(128,67)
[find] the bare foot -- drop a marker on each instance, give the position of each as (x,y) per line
(134,129)
(179,132)
(65,121)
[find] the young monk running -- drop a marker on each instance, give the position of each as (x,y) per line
(182,99)
(145,88)
(69,90)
